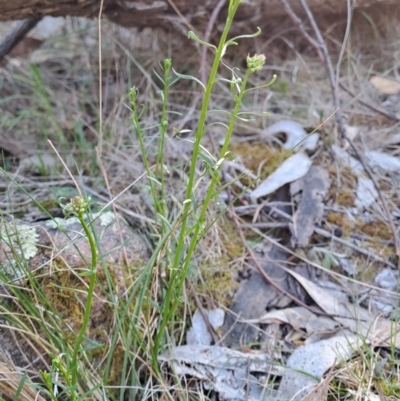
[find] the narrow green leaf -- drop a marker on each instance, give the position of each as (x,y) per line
(190,78)
(192,35)
(252,35)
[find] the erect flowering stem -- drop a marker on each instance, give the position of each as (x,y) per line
(78,207)
(179,275)
(210,192)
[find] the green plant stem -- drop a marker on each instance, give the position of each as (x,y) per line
(88,306)
(209,195)
(187,206)
(160,153)
(139,133)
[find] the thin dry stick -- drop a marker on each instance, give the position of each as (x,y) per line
(207,34)
(344,43)
(389,116)
(322,50)
(104,172)
(203,312)
(330,272)
(100,83)
(66,168)
(297,21)
(321,46)
(181,16)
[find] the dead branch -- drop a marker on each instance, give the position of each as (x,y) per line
(16,34)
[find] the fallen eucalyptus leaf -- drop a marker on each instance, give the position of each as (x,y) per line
(366,193)
(308,363)
(296,136)
(293,168)
(384,161)
(198,334)
(228,372)
(371,326)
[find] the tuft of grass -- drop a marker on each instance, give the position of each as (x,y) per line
(39,90)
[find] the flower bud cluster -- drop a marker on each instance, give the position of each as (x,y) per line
(78,205)
(256,62)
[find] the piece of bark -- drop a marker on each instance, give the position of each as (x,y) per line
(254,297)
(312,189)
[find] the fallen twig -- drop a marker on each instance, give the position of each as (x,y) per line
(389,116)
(204,315)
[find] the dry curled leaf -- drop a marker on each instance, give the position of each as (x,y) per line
(292,169)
